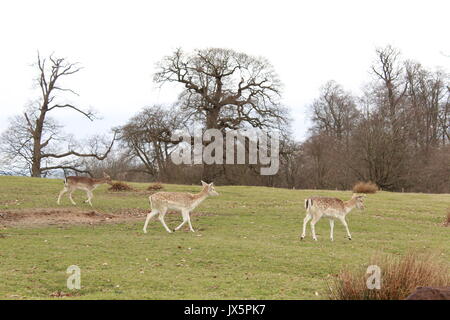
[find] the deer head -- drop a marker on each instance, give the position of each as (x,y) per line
(210,188)
(107,178)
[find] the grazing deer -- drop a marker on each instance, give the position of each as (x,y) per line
(73,183)
(331,208)
(185,202)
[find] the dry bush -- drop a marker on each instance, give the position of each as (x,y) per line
(365,187)
(120,186)
(399,278)
(155,187)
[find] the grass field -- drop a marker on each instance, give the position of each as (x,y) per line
(246,245)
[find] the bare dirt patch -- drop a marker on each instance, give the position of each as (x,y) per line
(43,217)
(68,216)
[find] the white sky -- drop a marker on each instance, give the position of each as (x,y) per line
(119,42)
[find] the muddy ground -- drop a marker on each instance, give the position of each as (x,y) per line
(67,216)
(43,217)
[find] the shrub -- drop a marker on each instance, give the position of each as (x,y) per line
(399,278)
(120,186)
(155,187)
(365,187)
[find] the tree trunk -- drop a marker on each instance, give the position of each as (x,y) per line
(36,169)
(37,137)
(211,171)
(36,161)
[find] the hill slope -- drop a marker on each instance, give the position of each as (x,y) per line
(246,245)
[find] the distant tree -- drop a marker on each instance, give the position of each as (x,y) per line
(35,141)
(389,71)
(148,135)
(382,137)
(334,113)
(427,107)
(289,161)
(225,89)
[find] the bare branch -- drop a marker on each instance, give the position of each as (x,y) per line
(88,114)
(80,154)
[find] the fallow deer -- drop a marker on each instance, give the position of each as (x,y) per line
(185,202)
(87,184)
(331,208)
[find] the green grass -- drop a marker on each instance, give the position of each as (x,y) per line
(247,248)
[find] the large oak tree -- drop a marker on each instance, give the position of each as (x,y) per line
(225,90)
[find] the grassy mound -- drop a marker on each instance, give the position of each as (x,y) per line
(120,186)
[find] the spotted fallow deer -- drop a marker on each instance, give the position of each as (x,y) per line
(331,208)
(185,202)
(87,184)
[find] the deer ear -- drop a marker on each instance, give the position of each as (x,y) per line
(204,183)
(211,184)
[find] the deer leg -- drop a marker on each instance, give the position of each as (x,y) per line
(70,197)
(331,229)
(161,218)
(189,221)
(346,228)
(150,215)
(90,195)
(63,191)
(185,219)
(313,227)
(305,222)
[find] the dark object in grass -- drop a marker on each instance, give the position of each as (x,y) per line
(120,186)
(365,187)
(155,187)
(430,293)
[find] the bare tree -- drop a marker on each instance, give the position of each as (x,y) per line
(147,136)
(390,72)
(334,112)
(225,89)
(36,139)
(427,106)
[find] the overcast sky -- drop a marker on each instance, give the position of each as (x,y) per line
(119,42)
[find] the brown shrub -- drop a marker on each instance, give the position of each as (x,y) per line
(155,187)
(365,187)
(120,186)
(399,278)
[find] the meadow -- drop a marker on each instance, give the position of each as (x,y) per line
(246,246)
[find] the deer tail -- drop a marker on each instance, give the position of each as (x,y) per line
(150,201)
(308,203)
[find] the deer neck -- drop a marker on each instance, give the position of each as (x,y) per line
(199,197)
(349,205)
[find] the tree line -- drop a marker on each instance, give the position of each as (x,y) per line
(395,133)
